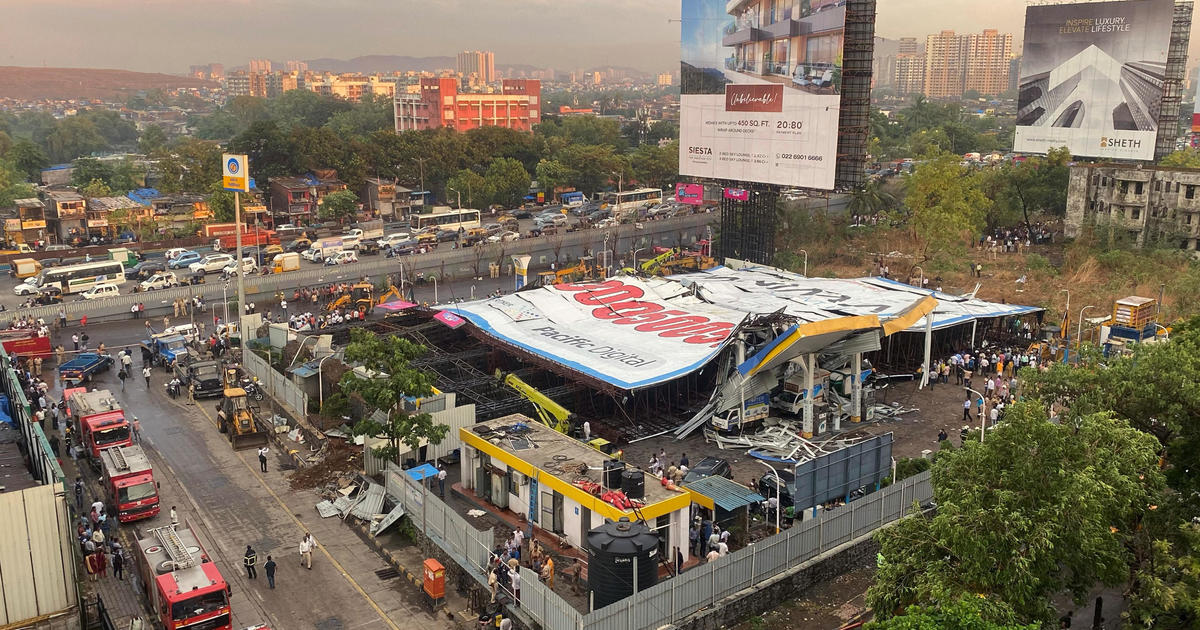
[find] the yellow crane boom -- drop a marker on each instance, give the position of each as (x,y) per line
(549,412)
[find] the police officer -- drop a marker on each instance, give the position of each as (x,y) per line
(250,559)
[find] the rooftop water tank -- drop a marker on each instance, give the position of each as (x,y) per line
(614,549)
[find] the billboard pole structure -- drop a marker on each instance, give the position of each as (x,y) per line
(235,176)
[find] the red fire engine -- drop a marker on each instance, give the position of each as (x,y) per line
(184,586)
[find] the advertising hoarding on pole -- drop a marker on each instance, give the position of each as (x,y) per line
(1092,78)
(692,194)
(235,174)
(761,90)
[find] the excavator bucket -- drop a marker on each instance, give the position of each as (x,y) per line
(237,420)
(249,434)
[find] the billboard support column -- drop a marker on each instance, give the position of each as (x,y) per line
(810,366)
(855,393)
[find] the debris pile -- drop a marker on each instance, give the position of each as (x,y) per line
(340,459)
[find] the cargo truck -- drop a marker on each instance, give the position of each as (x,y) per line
(366,231)
(184,586)
(320,249)
(129,481)
(99,422)
(84,367)
(251,237)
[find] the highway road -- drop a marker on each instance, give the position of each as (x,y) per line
(617,245)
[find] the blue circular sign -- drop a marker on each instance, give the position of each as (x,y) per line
(233,166)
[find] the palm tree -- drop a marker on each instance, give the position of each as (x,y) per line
(870,198)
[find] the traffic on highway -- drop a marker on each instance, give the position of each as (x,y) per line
(127,271)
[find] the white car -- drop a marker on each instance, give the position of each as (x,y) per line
(175,251)
(249,266)
(606,223)
(187,331)
(391,239)
(504,237)
(101,291)
(343,257)
(28,287)
(557,220)
(211,263)
(161,280)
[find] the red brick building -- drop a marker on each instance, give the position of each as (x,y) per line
(440,104)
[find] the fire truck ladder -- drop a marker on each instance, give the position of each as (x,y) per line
(119,458)
(180,556)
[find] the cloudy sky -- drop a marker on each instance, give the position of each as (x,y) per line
(170,35)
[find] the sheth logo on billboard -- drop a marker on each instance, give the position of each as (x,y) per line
(754,98)
(1119,143)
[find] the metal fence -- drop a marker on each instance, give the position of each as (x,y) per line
(42,462)
(703,586)
(467,546)
(277,385)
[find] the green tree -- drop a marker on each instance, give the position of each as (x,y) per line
(964,613)
(390,378)
(466,185)
(127,175)
(152,139)
(372,114)
(340,206)
(1036,185)
(12,185)
(220,202)
(945,204)
(507,182)
(87,170)
(95,188)
(268,148)
(1038,508)
(593,166)
(219,125)
(553,174)
(190,165)
(74,137)
(115,130)
(870,198)
(28,159)
(656,166)
(1183,158)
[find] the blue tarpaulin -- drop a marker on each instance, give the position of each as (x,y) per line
(422,472)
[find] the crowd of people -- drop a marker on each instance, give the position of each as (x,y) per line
(992,373)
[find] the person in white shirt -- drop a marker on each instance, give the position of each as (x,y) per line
(306,547)
(441,477)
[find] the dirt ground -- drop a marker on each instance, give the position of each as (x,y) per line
(827,606)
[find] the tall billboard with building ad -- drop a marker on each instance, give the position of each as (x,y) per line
(1092,78)
(761,90)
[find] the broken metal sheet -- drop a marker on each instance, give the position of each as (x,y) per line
(377,527)
(343,504)
(369,503)
(327,509)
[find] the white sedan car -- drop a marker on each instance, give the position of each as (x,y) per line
(343,257)
(504,237)
(249,266)
(211,263)
(163,280)
(391,239)
(29,287)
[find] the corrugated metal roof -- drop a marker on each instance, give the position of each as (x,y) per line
(370,504)
(727,494)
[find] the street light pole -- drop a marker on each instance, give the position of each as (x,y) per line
(459,196)
(435,292)
(778,493)
(805,252)
(921,282)
(635,259)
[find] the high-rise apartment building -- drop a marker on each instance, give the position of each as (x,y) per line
(262,66)
(957,63)
(944,61)
(988,56)
(664,78)
(909,77)
(481,63)
(297,66)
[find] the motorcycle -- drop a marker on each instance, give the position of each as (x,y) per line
(252,388)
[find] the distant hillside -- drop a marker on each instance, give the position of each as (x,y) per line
(85,83)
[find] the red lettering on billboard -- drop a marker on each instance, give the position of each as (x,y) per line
(753,98)
(618,302)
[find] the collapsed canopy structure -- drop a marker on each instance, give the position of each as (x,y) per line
(632,333)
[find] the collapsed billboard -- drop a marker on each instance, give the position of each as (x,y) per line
(761,90)
(1092,78)
(626,331)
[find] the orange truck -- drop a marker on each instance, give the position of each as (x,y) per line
(129,481)
(226,237)
(99,421)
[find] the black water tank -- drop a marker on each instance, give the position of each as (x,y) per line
(633,483)
(612,474)
(612,548)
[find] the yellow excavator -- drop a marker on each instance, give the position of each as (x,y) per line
(235,418)
(359,296)
(549,412)
(583,270)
